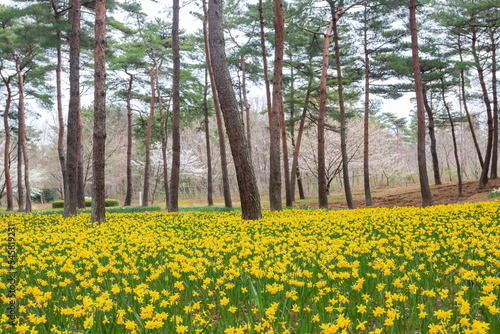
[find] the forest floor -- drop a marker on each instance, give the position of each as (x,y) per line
(401,195)
(382,196)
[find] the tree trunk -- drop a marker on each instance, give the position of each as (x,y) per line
(242,107)
(70,193)
(292,126)
(494,155)
(277,103)
(432,136)
(6,161)
(162,131)
(464,99)
(60,139)
(207,140)
(264,61)
(288,193)
(299,184)
(80,193)
(128,196)
(249,193)
(220,128)
(295,158)
(487,158)
(22,133)
(322,195)
(366,166)
(343,144)
(455,149)
(98,185)
(422,167)
(176,143)
(245,102)
(145,195)
(20,189)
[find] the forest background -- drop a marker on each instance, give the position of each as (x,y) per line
(458,41)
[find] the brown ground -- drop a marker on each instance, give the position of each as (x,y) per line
(410,195)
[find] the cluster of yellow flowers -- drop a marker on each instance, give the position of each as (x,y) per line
(399,270)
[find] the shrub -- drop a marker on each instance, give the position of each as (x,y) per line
(111,202)
(88,203)
(57,204)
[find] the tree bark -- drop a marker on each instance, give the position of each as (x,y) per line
(98,185)
(264,61)
(455,148)
(494,155)
(432,136)
(176,143)
(487,158)
(343,144)
(145,195)
(60,140)
(70,197)
(80,193)
(295,157)
(162,131)
(464,99)
(277,104)
(422,167)
(245,102)
(128,196)
(366,163)
(6,161)
(249,193)
(22,134)
(207,141)
(20,189)
(322,191)
(220,128)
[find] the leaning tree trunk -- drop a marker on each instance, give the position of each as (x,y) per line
(176,139)
(98,185)
(22,134)
(207,141)
(295,158)
(432,136)
(70,193)
(274,125)
(489,147)
(343,144)
(6,160)
(128,196)
(494,155)
(220,128)
(366,163)
(145,195)
(464,99)
(247,184)
(322,189)
(455,149)
(422,167)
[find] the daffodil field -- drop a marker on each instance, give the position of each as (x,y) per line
(399,270)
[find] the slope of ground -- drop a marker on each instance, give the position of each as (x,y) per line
(410,195)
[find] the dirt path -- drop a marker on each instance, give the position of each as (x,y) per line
(410,195)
